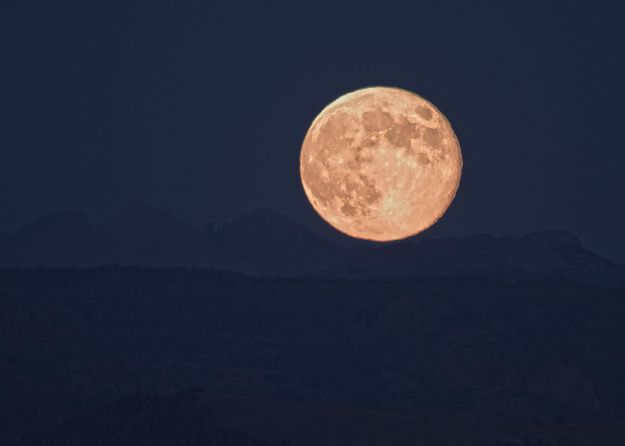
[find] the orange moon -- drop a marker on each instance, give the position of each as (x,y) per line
(381,164)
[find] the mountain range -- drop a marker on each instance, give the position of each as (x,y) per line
(266,242)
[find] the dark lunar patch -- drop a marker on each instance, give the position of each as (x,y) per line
(333,131)
(369,142)
(369,194)
(433,137)
(376,120)
(348,210)
(422,158)
(424,112)
(400,135)
(359,159)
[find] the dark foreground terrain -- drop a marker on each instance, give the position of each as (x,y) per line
(191,418)
(123,355)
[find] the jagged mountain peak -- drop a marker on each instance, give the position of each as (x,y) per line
(543,252)
(140,210)
(264,216)
(266,241)
(55,239)
(65,220)
(552,238)
(276,243)
(140,234)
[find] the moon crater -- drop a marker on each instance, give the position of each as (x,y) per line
(381,164)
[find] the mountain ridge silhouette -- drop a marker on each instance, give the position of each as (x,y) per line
(266,242)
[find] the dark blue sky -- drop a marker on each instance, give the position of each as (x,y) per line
(201,109)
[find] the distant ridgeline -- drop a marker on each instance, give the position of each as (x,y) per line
(267,243)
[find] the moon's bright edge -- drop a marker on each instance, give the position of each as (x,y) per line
(381,164)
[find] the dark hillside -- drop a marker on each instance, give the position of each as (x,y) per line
(72,341)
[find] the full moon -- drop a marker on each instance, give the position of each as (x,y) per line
(381,164)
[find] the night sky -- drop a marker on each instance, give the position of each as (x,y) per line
(201,109)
